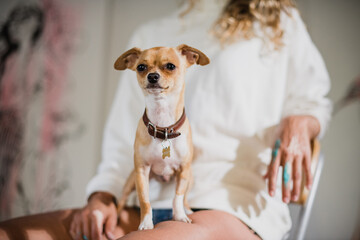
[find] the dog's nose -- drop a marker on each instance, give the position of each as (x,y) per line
(153,77)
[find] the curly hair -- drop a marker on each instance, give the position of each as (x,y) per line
(238,16)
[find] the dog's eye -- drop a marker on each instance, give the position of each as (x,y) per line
(170,66)
(141,67)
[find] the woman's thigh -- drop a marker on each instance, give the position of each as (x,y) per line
(51,225)
(207,224)
(56,225)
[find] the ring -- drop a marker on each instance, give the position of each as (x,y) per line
(85,237)
(276,149)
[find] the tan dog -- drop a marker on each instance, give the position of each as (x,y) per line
(163,144)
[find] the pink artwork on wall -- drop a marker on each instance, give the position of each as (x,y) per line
(36,45)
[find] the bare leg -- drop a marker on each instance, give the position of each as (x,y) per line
(56,225)
(206,225)
(41,226)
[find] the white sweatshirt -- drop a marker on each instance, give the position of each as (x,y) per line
(233,105)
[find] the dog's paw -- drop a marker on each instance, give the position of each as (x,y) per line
(182,218)
(188,211)
(146,223)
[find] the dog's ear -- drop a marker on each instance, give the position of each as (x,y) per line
(127,59)
(193,55)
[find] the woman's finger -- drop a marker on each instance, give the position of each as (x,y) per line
(97,222)
(73,228)
(307,168)
(296,177)
(78,227)
(85,225)
(287,159)
(110,225)
(274,168)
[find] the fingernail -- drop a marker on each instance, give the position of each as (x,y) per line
(110,235)
(295,198)
(286,199)
(272,193)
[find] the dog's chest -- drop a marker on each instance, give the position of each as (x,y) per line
(165,163)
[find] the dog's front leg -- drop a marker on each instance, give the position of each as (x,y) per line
(142,188)
(182,183)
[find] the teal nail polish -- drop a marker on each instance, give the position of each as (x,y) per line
(277,144)
(274,153)
(286,174)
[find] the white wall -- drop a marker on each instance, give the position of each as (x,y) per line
(87,93)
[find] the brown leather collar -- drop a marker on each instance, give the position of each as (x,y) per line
(161,132)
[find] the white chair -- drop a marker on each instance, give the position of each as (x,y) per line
(301,210)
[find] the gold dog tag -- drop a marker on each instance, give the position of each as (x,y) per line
(166,152)
(166,149)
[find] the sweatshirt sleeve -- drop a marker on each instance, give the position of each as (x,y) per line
(119,134)
(308,79)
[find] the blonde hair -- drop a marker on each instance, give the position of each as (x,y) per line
(238,16)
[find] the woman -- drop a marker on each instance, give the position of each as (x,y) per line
(264,89)
(265,70)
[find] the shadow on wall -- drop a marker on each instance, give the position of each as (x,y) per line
(352,95)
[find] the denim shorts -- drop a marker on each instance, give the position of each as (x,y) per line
(165,214)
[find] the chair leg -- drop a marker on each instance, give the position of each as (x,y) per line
(305,210)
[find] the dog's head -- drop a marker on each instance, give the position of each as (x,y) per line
(161,69)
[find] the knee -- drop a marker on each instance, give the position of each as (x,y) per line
(218,224)
(208,218)
(3,234)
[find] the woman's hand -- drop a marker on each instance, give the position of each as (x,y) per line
(293,153)
(97,217)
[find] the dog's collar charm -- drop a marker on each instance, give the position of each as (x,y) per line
(164,133)
(166,148)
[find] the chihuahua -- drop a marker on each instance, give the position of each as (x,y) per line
(163,143)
